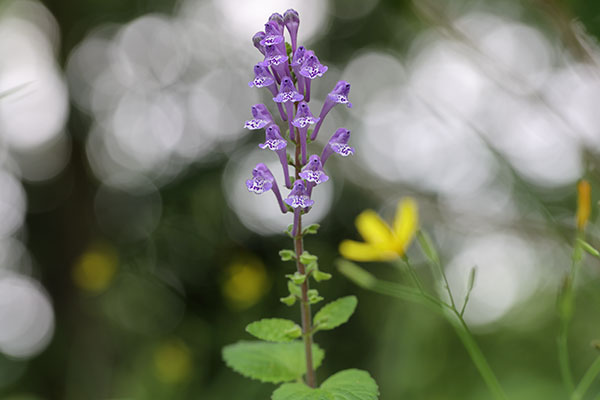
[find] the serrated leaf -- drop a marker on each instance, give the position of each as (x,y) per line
(350,384)
(297,278)
(335,313)
(270,362)
(275,330)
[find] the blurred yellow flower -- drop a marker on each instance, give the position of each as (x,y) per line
(95,269)
(172,361)
(383,243)
(246,282)
(583,203)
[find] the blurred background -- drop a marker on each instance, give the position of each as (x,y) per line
(131,251)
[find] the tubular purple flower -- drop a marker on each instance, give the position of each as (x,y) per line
(273,34)
(277,60)
(256,39)
(313,171)
(311,69)
(262,117)
(263,78)
(297,61)
(291,20)
(338,143)
(274,141)
(298,198)
(301,121)
(339,95)
(277,18)
(263,181)
(288,95)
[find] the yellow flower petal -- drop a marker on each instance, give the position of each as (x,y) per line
(374,230)
(406,223)
(359,251)
(583,204)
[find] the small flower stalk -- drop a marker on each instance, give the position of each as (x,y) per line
(287,71)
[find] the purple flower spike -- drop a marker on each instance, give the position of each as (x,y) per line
(313,171)
(338,143)
(262,77)
(287,92)
(273,34)
(262,117)
(263,181)
(312,68)
(256,39)
(291,20)
(339,95)
(273,139)
(298,197)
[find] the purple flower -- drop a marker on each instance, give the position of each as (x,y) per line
(298,57)
(298,197)
(262,77)
(273,56)
(287,92)
(263,181)
(338,143)
(339,95)
(256,39)
(277,18)
(291,20)
(273,34)
(303,116)
(312,68)
(262,117)
(273,139)
(313,171)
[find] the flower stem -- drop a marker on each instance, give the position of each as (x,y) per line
(304,306)
(304,303)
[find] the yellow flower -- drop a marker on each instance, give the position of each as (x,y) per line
(583,204)
(383,243)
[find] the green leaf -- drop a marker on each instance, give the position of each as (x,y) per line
(321,276)
(350,384)
(335,313)
(288,300)
(270,362)
(287,255)
(307,258)
(296,277)
(295,290)
(311,229)
(275,330)
(589,248)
